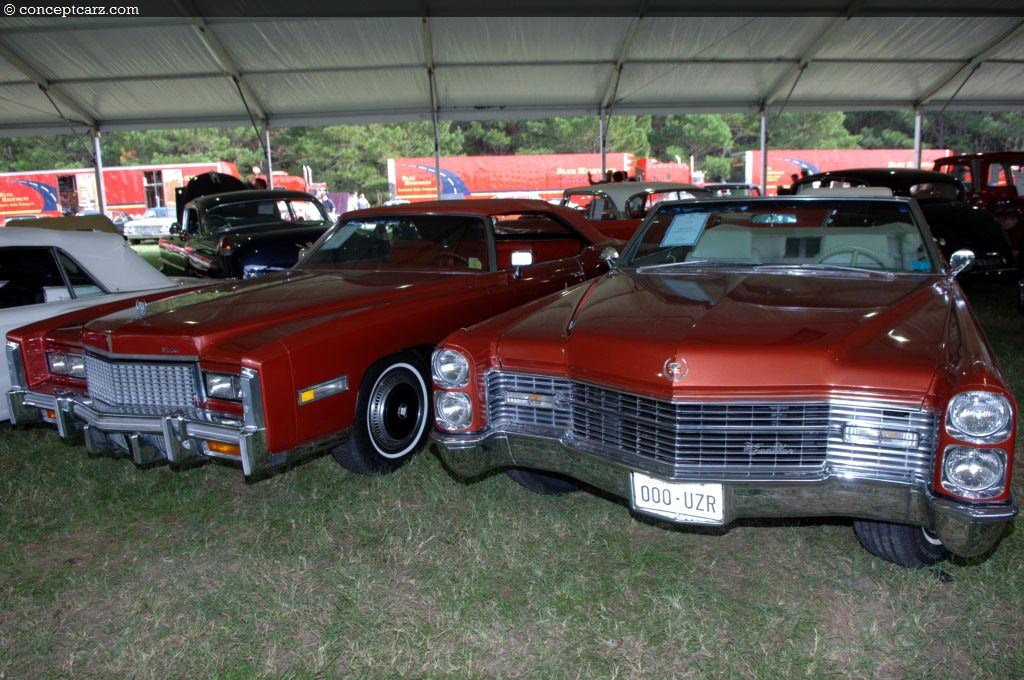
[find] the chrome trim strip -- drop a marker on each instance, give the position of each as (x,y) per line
(91,349)
(18,407)
(19,378)
(342,386)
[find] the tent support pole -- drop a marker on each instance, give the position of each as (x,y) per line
(764,151)
(270,166)
(437,154)
(917,138)
(602,123)
(101,189)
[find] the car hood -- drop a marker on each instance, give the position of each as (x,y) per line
(224,321)
(742,332)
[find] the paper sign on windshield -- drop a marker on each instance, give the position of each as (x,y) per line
(685,230)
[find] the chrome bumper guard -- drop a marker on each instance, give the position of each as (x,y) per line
(178,438)
(966,530)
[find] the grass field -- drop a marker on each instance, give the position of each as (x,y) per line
(111,571)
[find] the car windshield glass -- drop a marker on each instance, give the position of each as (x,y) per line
(263,212)
(849,233)
(449,242)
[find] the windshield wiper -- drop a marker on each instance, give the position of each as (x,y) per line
(690,263)
(819,266)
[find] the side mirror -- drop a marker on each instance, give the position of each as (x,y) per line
(520,259)
(610,256)
(960,261)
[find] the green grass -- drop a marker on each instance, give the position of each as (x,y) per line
(111,571)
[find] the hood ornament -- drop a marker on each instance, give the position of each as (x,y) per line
(675,369)
(140,308)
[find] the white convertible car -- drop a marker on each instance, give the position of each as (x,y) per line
(48,271)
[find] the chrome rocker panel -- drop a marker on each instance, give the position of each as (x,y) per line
(966,530)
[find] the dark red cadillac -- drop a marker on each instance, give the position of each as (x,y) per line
(332,354)
(754,357)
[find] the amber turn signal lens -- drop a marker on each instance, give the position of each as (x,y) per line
(226,449)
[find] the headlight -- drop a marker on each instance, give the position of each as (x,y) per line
(979,417)
(450,368)
(61,363)
(453,410)
(223,386)
(974,473)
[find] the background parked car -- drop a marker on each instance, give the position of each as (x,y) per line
(155,223)
(993,180)
(617,208)
(243,233)
(46,272)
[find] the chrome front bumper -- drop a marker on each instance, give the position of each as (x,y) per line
(181,439)
(965,530)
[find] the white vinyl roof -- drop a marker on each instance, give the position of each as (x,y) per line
(183,63)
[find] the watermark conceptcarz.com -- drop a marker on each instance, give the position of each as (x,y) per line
(10,9)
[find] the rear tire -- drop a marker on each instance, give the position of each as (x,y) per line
(392,414)
(546,483)
(908,546)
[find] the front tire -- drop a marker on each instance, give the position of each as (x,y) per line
(908,546)
(392,414)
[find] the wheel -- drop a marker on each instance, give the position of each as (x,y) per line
(547,483)
(902,544)
(854,252)
(392,413)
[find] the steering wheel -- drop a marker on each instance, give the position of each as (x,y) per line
(449,259)
(854,252)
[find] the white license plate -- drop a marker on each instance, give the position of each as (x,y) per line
(679,501)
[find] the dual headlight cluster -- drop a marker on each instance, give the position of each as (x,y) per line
(452,410)
(66,363)
(226,386)
(977,418)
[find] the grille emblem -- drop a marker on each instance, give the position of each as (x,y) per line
(140,307)
(674,369)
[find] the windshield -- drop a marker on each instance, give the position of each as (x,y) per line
(261,212)
(820,233)
(449,242)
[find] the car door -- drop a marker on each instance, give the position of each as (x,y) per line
(174,248)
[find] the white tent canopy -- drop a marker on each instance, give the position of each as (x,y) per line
(184,63)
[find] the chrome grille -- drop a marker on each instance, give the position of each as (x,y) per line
(141,384)
(703,437)
(505,413)
(878,463)
(732,441)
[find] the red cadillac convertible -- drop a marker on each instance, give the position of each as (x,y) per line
(753,357)
(332,354)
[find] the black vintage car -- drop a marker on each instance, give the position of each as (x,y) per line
(954,223)
(242,233)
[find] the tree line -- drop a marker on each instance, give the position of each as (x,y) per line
(354,157)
